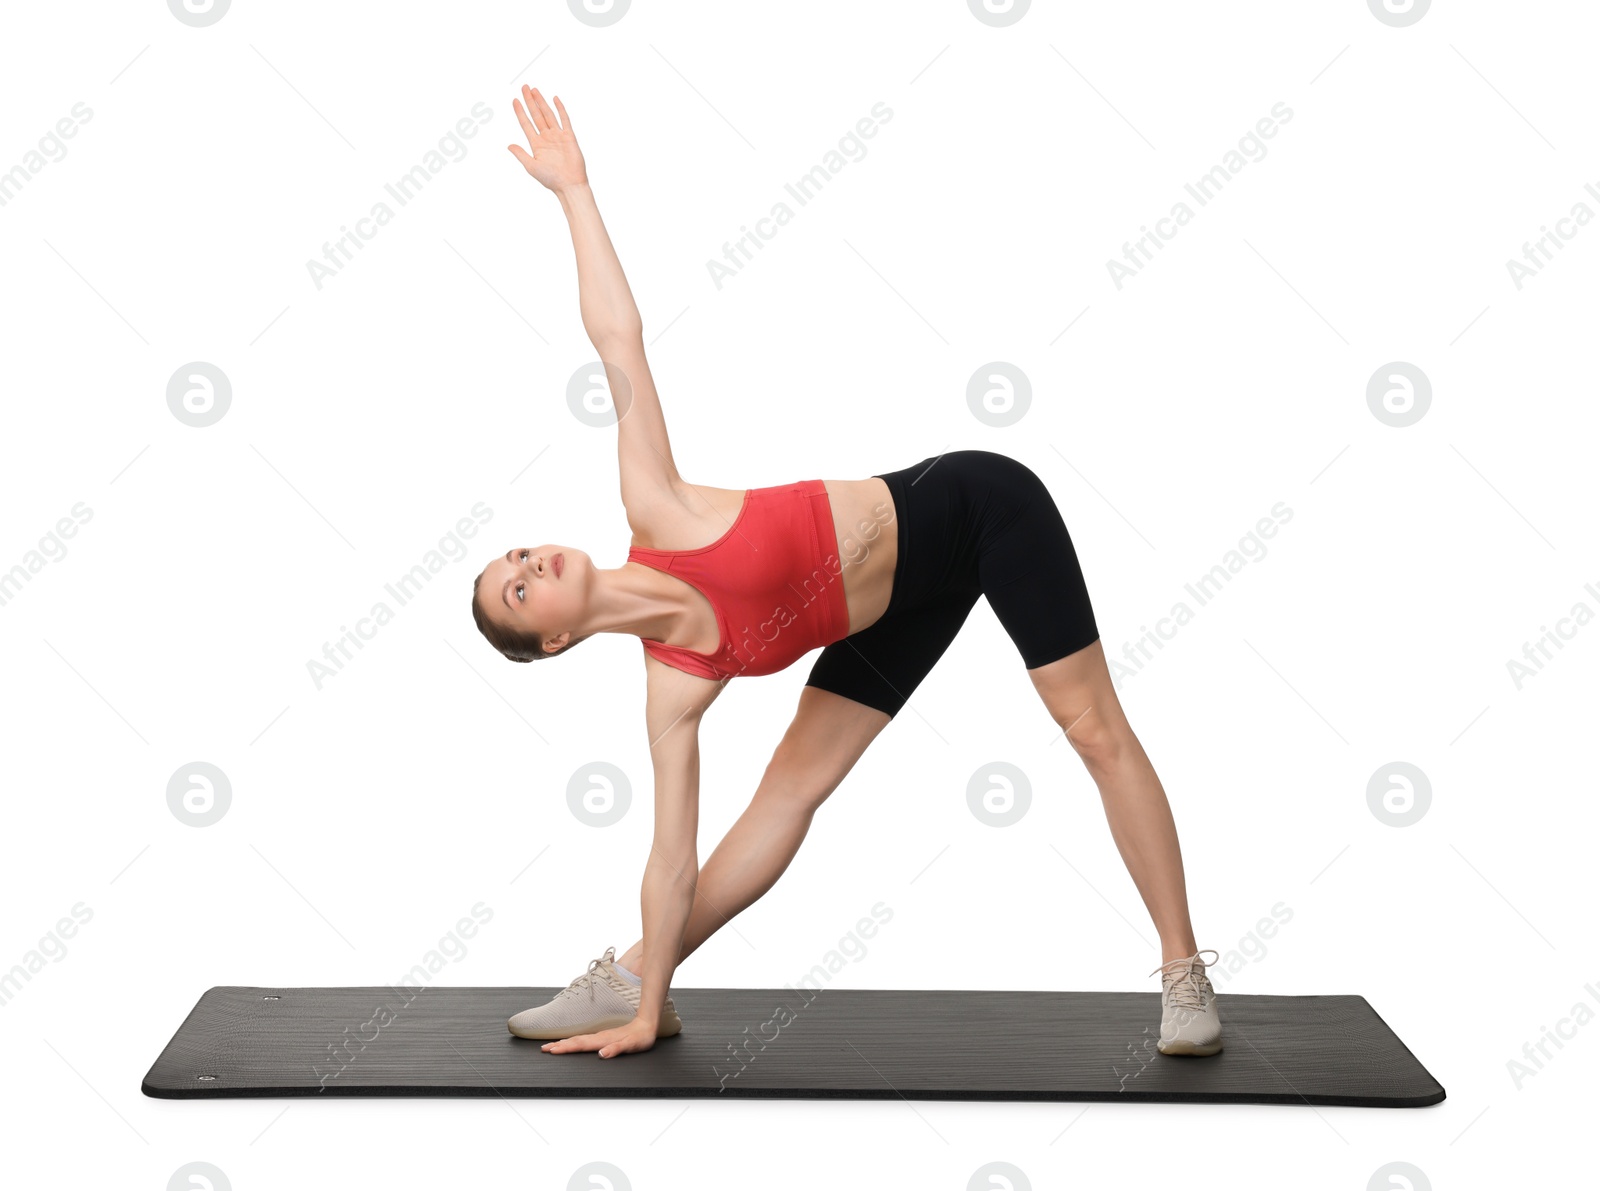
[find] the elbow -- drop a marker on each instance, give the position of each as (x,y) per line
(611,339)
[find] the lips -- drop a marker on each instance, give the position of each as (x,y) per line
(557,563)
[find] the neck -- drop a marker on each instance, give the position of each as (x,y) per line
(637,600)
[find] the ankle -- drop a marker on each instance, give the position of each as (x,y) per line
(1179,950)
(633,959)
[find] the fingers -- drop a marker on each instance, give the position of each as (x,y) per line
(538,119)
(542,115)
(620,1047)
(604,1043)
(530,98)
(576,1042)
(523,156)
(527,125)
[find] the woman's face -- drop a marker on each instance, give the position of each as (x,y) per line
(536,589)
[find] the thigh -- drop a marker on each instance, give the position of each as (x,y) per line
(821,745)
(882,664)
(1028,568)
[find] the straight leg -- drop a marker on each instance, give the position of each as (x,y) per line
(822,744)
(1079,694)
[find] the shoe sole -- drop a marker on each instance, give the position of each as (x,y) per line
(1188,1048)
(669,1027)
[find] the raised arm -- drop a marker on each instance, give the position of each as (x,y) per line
(610,317)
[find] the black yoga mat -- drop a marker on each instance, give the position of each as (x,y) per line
(813,1044)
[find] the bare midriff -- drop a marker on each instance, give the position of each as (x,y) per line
(867,539)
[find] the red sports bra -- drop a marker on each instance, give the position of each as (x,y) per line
(773,581)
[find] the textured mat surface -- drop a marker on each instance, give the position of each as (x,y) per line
(832,1044)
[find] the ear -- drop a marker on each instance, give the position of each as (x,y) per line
(556,643)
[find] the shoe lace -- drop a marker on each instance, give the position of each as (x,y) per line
(590,978)
(1182,979)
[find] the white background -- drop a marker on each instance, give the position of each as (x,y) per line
(430,374)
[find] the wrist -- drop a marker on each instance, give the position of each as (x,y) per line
(575,191)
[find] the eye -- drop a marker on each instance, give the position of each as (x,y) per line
(522,556)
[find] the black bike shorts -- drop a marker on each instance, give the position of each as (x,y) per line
(970,523)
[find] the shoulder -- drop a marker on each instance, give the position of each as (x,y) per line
(674,696)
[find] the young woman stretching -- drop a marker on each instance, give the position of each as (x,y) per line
(880,573)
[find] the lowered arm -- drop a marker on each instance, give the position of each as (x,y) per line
(674,704)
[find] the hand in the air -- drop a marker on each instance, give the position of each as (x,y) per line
(635,1036)
(552,156)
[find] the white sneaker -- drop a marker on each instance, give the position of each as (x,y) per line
(1189,1021)
(600,999)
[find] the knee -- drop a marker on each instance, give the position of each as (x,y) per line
(1096,740)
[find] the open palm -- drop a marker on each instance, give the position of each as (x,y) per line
(552,155)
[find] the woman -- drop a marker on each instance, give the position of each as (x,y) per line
(880,573)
